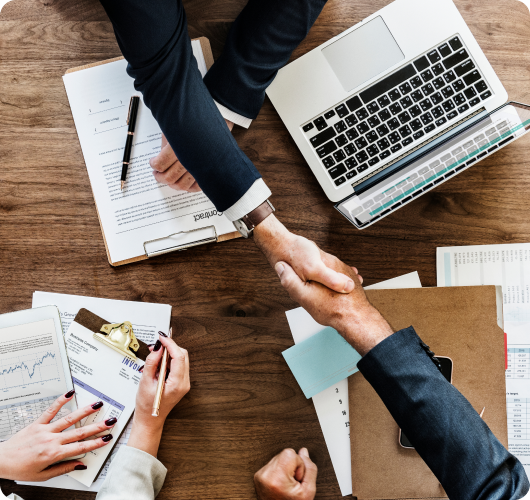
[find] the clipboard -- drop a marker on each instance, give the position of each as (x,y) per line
(118,337)
(181,240)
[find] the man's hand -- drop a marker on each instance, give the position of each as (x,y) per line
(168,169)
(308,261)
(288,476)
(352,315)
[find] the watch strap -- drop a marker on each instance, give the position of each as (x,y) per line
(259,214)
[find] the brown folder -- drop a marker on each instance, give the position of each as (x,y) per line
(457,322)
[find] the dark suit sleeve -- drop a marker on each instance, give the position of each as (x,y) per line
(154,40)
(446,431)
(260,42)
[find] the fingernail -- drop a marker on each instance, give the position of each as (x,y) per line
(110,421)
(150,345)
(97,406)
(163,334)
(69,394)
(304,452)
(106,438)
(349,286)
(141,369)
(80,467)
(157,346)
(279,268)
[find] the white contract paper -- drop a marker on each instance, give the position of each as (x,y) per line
(507,265)
(331,405)
(145,210)
(147,319)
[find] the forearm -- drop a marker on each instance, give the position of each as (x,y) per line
(270,237)
(146,438)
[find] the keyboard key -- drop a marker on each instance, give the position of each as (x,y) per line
(383,101)
(426,105)
(441,121)
(474,102)
(353,104)
(396,148)
(340,181)
(485,95)
(362,114)
(438,83)
(362,168)
(405,131)
(418,135)
(361,143)
(394,95)
(395,108)
(363,128)
(404,117)
(382,130)
(340,126)
(473,77)
(463,109)
(407,141)
(452,114)
(438,69)
(481,86)
(437,98)
(449,77)
(384,115)
(427,75)
(445,50)
(464,68)
(416,124)
(459,85)
(372,107)
(351,174)
(427,89)
(393,124)
(416,82)
(415,111)
(351,120)
(430,128)
(352,134)
(373,161)
(384,154)
(433,56)
(394,137)
(350,149)
(448,106)
(308,127)
(388,83)
(422,63)
(322,137)
(373,121)
(405,88)
(320,123)
(437,112)
(372,150)
(328,161)
(383,144)
(448,92)
(329,114)
(456,58)
(459,99)
(339,155)
(455,43)
(426,118)
(406,102)
(341,140)
(417,96)
(372,136)
(470,92)
(350,163)
(361,157)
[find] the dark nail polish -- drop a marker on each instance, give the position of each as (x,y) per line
(69,394)
(150,345)
(80,467)
(141,369)
(157,346)
(97,406)
(110,421)
(106,438)
(163,334)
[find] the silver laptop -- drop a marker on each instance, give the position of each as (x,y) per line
(395,105)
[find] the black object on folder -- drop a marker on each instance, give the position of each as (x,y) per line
(131,121)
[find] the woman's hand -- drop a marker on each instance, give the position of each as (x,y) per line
(31,453)
(147,430)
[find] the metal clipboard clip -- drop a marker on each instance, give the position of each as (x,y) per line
(120,337)
(166,246)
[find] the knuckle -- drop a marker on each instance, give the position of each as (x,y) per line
(69,419)
(79,433)
(289,454)
(82,447)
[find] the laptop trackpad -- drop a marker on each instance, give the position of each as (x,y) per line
(363,54)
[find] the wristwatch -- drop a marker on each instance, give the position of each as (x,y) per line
(246,224)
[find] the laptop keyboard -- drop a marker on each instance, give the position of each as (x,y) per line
(392,116)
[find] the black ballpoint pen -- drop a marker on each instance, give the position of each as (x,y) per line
(131,121)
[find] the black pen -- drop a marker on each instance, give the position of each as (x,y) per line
(131,121)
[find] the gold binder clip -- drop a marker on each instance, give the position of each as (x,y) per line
(120,337)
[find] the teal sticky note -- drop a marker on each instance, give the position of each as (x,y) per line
(321,361)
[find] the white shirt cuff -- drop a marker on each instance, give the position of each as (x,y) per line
(232,116)
(253,198)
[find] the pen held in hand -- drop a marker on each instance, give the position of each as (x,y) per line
(161,379)
(131,121)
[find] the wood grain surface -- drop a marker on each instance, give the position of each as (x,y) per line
(228,306)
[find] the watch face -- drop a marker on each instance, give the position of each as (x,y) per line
(242,228)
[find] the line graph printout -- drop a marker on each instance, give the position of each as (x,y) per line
(31,374)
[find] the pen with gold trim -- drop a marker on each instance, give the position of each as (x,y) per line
(161,379)
(131,121)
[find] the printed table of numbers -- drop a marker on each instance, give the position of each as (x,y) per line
(518,363)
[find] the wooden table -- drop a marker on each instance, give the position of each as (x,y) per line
(228,306)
